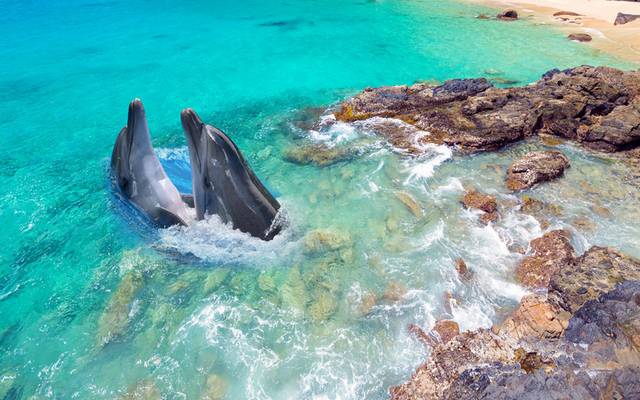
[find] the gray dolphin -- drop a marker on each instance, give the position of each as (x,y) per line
(223,182)
(139,176)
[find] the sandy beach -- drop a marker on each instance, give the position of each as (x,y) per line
(596,19)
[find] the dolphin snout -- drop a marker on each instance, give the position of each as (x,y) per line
(192,126)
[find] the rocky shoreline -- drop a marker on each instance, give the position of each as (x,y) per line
(598,107)
(577,336)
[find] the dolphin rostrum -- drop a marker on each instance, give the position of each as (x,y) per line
(223,182)
(139,176)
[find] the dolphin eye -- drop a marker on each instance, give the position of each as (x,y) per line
(205,181)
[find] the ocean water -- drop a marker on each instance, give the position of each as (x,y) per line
(95,304)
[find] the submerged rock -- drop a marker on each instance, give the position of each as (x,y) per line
(323,305)
(536,167)
(316,154)
(293,291)
(540,210)
(596,106)
(410,203)
(551,252)
(215,279)
(394,291)
(216,388)
(320,240)
(142,390)
(115,317)
(7,389)
(367,303)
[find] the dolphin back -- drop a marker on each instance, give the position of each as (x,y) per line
(224,184)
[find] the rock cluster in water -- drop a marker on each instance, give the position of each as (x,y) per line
(596,106)
(580,340)
(578,335)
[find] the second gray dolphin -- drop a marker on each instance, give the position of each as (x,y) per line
(223,182)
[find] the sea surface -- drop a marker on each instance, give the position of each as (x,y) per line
(97,304)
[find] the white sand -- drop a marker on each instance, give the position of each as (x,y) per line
(597,17)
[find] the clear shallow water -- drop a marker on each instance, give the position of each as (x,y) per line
(208,310)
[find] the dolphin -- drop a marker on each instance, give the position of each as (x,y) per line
(223,182)
(139,176)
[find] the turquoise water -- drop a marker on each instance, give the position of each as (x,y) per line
(95,306)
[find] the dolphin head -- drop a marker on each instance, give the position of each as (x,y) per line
(195,130)
(139,176)
(132,139)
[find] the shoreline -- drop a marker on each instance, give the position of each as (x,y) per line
(596,19)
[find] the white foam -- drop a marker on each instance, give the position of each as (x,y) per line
(471,316)
(424,167)
(332,132)
(453,185)
(212,240)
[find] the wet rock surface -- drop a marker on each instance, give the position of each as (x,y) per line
(550,253)
(596,106)
(535,317)
(581,341)
(584,363)
(595,272)
(479,201)
(536,167)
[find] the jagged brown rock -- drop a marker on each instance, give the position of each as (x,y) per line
(596,106)
(580,37)
(550,253)
(581,341)
(597,271)
(595,358)
(508,15)
(623,18)
(535,317)
(536,167)
(446,330)
(475,200)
